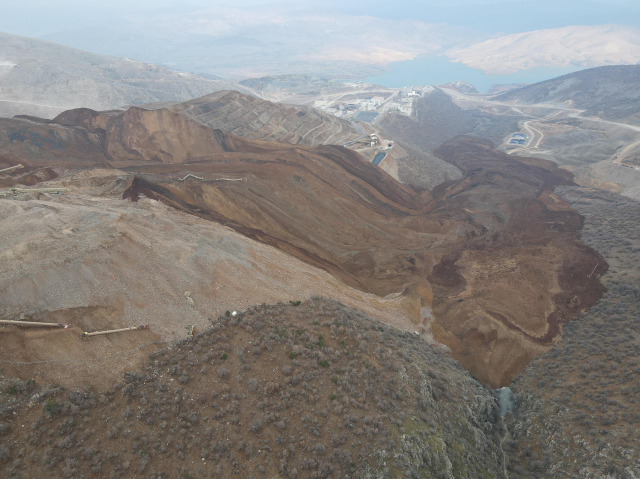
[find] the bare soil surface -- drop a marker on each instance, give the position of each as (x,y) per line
(496,304)
(92,260)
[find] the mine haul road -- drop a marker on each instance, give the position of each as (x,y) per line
(574,113)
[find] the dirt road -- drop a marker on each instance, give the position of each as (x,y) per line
(536,135)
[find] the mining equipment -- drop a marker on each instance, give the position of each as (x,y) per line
(371,140)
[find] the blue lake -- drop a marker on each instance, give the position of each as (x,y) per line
(437,70)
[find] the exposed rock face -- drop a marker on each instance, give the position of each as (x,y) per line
(256,119)
(313,390)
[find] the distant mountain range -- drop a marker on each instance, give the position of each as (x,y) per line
(273,39)
(43,79)
(580,46)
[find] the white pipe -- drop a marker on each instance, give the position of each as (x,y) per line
(98,333)
(31,323)
(11,168)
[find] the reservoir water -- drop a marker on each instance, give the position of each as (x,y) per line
(438,70)
(379,157)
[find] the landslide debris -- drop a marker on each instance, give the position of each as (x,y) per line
(313,390)
(577,413)
(464,259)
(469,253)
(89,259)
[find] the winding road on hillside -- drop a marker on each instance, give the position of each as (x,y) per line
(536,135)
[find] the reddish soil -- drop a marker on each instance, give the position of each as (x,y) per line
(60,356)
(495,255)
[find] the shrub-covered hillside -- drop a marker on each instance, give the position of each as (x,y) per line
(313,390)
(577,411)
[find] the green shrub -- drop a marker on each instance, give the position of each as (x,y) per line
(227,313)
(324,363)
(335,379)
(333,397)
(51,407)
(295,303)
(224,356)
(12,390)
(292,355)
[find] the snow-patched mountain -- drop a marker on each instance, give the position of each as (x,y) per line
(585,46)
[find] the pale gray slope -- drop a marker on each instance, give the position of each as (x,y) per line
(610,92)
(435,120)
(257,119)
(43,79)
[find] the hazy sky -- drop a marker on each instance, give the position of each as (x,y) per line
(40,17)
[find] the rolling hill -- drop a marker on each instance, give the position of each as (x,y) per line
(313,390)
(608,92)
(257,119)
(436,120)
(43,79)
(569,46)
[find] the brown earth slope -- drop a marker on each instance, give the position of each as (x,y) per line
(257,119)
(494,256)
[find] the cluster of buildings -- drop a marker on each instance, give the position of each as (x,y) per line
(351,107)
(518,139)
(402,102)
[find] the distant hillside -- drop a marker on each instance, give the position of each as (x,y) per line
(302,84)
(610,92)
(569,46)
(256,119)
(437,119)
(44,79)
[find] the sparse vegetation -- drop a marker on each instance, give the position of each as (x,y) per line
(293,419)
(577,412)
